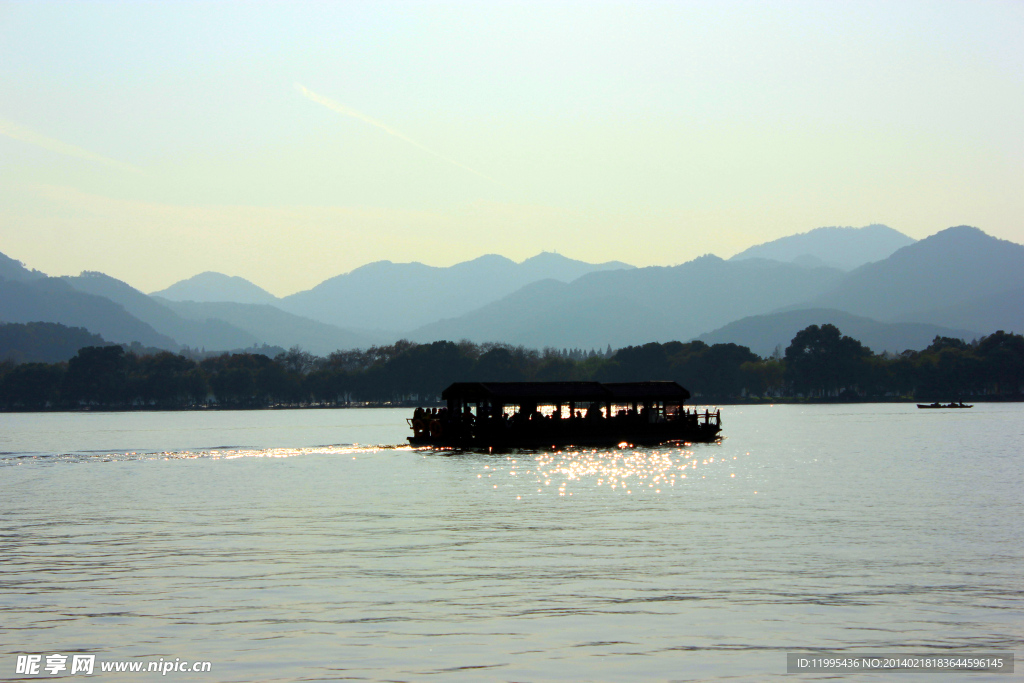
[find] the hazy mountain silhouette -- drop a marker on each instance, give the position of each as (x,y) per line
(845,248)
(221,325)
(404,296)
(11,269)
(44,342)
(274,326)
(204,333)
(959,279)
(946,271)
(761,333)
(53,300)
(636,306)
(210,286)
(1001,311)
(550,266)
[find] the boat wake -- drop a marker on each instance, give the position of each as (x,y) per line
(211,453)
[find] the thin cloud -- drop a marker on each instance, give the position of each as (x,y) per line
(13,130)
(348,111)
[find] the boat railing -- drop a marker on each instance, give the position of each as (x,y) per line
(471,425)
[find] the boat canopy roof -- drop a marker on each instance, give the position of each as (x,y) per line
(563,392)
(650,391)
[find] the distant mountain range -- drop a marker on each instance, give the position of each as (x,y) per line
(215,311)
(844,248)
(897,294)
(405,296)
(958,282)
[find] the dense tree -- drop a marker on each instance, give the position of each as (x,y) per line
(98,375)
(820,362)
(763,377)
(502,364)
(166,380)
(649,362)
(718,369)
(556,367)
(233,378)
(1002,359)
(32,386)
(295,360)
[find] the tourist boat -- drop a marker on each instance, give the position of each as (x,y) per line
(941,405)
(532,415)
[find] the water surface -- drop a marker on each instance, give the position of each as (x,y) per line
(286,546)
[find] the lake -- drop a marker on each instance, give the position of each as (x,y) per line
(287,546)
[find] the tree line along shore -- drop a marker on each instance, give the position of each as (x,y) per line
(819,365)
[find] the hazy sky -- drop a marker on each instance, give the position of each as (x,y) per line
(287,144)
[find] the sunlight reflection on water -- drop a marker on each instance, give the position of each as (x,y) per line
(645,469)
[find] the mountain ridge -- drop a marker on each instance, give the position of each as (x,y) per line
(12,269)
(210,287)
(192,333)
(839,247)
(952,266)
(273,326)
(54,300)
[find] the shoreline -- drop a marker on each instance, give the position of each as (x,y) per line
(752,401)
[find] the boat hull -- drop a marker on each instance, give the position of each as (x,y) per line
(657,435)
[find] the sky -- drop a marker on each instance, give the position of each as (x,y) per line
(287,143)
